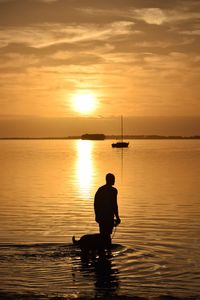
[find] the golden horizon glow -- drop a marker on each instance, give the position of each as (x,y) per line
(84,102)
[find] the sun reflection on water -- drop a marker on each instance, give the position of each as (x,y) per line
(85,167)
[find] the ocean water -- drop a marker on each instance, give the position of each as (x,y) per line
(46,196)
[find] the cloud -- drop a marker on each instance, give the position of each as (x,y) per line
(159,16)
(151,15)
(49,34)
(191,32)
(47,1)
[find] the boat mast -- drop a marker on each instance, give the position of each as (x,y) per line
(122,128)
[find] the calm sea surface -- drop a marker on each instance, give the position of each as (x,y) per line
(46,197)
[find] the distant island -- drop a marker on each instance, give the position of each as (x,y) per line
(154,137)
(109,137)
(93,136)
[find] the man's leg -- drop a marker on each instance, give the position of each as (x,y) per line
(106,231)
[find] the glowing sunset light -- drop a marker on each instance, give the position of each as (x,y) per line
(84,102)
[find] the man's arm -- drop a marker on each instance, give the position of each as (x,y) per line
(96,206)
(116,211)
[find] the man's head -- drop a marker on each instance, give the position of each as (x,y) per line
(110,179)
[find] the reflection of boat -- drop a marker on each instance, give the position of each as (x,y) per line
(121,144)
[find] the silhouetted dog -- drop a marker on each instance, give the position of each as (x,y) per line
(91,243)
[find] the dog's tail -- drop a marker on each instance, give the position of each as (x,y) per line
(74,241)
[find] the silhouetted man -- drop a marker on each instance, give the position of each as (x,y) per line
(106,208)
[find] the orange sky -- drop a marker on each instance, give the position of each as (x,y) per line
(139,58)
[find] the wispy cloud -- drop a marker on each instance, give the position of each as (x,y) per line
(151,15)
(47,1)
(191,32)
(48,34)
(159,16)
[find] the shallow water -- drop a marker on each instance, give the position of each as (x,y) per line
(46,196)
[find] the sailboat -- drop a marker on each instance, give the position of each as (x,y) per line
(121,144)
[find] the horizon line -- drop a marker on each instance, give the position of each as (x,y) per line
(112,136)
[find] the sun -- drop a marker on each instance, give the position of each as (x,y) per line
(84,102)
